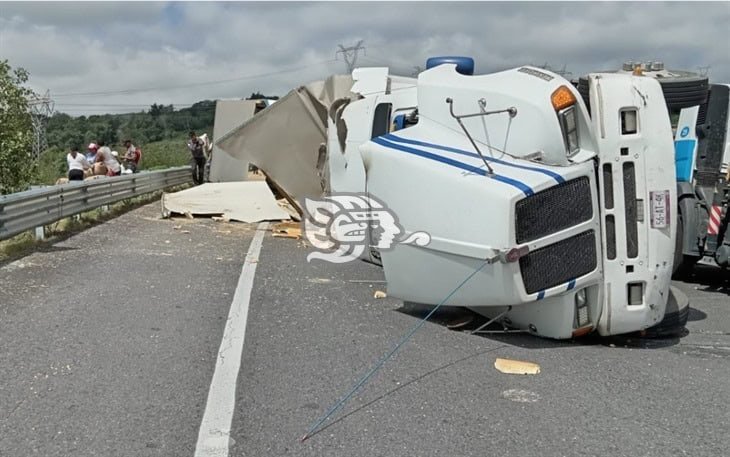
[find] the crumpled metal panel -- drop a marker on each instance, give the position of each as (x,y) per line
(285,139)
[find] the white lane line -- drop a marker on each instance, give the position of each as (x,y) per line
(215,429)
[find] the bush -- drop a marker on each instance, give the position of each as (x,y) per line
(164,154)
(51,166)
(16,130)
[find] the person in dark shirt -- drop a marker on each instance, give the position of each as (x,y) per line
(196,147)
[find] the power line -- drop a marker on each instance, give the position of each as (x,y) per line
(395,69)
(350,54)
(143,105)
(562,71)
(102,110)
(203,83)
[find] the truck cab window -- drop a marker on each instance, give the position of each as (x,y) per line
(381,120)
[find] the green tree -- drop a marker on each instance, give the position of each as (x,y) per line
(259,96)
(16,130)
(156,110)
(159,123)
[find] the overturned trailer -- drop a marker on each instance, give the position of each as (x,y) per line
(575,215)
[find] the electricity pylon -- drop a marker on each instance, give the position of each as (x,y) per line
(41,109)
(350,54)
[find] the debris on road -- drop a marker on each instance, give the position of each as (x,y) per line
(320,280)
(460,322)
(247,201)
(379,294)
(287,230)
(509,366)
(520,396)
(289,208)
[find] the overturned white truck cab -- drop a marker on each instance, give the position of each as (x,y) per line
(574,214)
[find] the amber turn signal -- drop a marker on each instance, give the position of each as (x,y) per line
(562,98)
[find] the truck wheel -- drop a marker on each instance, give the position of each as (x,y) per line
(682,91)
(675,317)
(678,242)
(683,264)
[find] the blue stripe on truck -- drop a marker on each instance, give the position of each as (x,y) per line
(527,190)
(559,179)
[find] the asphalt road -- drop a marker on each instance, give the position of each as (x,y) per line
(108,344)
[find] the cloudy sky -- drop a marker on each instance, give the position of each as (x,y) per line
(121,57)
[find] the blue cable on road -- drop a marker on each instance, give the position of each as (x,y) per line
(314,428)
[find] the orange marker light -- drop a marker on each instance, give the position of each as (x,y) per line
(562,98)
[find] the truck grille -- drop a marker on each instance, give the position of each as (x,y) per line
(553,210)
(631,210)
(559,263)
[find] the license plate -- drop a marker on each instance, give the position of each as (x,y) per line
(660,217)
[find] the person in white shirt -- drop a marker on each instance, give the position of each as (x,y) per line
(77,164)
(106,163)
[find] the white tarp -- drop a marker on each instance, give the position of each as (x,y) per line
(246,201)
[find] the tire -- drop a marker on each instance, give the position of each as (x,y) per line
(683,93)
(683,264)
(583,90)
(691,83)
(671,326)
(678,244)
(675,317)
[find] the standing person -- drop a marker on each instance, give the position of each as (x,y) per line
(104,157)
(77,164)
(132,156)
(208,151)
(196,147)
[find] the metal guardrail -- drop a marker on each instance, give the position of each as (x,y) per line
(23,211)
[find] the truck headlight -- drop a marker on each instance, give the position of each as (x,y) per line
(563,101)
(569,125)
(581,309)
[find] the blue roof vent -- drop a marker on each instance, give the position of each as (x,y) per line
(464,65)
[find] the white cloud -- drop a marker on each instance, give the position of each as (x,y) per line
(90,47)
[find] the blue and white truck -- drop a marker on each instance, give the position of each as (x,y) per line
(574,215)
